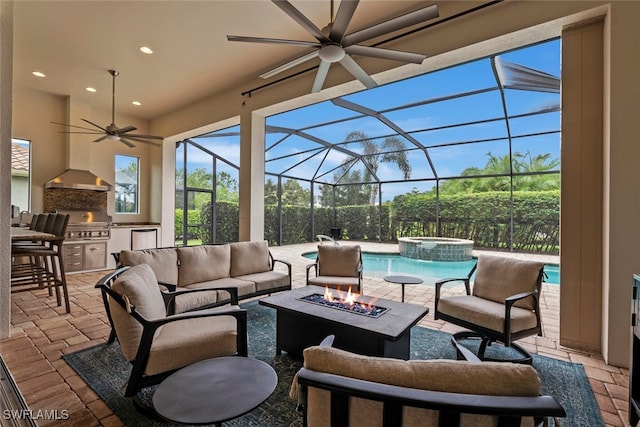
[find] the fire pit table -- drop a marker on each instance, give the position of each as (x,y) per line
(302,321)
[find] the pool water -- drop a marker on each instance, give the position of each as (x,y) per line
(380,265)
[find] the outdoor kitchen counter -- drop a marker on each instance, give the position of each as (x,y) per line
(134,224)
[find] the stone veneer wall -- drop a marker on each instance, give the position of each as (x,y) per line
(436,248)
(61,198)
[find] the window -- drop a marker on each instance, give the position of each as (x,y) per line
(20,173)
(127,180)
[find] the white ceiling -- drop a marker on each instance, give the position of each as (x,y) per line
(75,42)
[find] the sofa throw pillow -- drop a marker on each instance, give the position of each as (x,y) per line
(163,262)
(139,286)
(249,258)
(499,277)
(203,263)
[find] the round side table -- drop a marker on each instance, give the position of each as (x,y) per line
(214,390)
(403,280)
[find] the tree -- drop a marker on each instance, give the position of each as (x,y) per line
(390,151)
(522,164)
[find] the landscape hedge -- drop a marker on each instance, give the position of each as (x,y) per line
(481,217)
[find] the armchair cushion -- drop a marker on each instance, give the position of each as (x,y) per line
(499,277)
(140,287)
(486,313)
(184,342)
(249,258)
(337,260)
(163,262)
(203,263)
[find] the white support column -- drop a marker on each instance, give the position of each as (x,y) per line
(6,98)
(252,131)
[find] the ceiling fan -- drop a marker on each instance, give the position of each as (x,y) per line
(333,45)
(113,132)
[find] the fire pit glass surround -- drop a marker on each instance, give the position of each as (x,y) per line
(353,306)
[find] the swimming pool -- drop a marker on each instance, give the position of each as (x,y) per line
(380,265)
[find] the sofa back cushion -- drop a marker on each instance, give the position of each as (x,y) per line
(163,262)
(486,378)
(499,277)
(249,258)
(137,285)
(203,263)
(341,261)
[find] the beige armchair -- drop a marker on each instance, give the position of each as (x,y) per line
(502,306)
(338,267)
(157,344)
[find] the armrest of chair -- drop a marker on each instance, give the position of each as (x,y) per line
(170,287)
(442,282)
(286,263)
(315,266)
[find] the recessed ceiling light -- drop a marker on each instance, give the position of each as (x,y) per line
(38,73)
(91,89)
(146,49)
(138,103)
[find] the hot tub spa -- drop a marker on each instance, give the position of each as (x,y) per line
(436,248)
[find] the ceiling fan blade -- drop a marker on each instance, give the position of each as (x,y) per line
(343,18)
(394,55)
(73,126)
(290,64)
(391,25)
(321,75)
(136,135)
(144,141)
(127,143)
(302,20)
(82,133)
(271,40)
(102,138)
(126,129)
(91,123)
(357,72)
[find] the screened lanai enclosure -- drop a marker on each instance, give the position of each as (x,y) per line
(471,151)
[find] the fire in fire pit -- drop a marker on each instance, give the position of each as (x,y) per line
(349,303)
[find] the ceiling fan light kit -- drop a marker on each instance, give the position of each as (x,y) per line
(333,45)
(112,132)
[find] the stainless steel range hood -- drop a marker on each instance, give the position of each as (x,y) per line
(78,179)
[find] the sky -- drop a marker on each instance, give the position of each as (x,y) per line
(435,125)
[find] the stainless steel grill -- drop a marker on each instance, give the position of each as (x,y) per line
(87,225)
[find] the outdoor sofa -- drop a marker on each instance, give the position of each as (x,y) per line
(246,266)
(336,387)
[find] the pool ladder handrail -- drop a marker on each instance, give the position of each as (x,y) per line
(322,237)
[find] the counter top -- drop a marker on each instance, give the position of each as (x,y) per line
(134,224)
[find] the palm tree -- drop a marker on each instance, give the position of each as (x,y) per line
(392,150)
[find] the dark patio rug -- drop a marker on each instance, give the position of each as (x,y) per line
(105,370)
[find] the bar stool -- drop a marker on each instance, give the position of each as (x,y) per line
(47,265)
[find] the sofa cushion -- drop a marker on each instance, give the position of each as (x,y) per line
(163,262)
(337,260)
(139,286)
(203,263)
(244,287)
(499,277)
(487,378)
(249,258)
(454,376)
(267,280)
(337,282)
